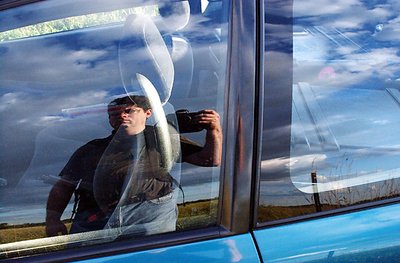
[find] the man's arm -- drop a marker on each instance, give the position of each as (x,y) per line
(211,153)
(58,200)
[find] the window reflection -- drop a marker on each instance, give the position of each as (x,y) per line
(343,108)
(55,89)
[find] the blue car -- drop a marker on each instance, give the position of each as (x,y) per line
(273,131)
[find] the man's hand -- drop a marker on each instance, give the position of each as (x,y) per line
(59,197)
(211,154)
(55,227)
(209,119)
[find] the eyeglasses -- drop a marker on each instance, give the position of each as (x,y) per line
(115,111)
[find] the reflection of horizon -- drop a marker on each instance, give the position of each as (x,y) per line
(280,193)
(30,207)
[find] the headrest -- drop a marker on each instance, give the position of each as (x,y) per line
(142,51)
(174,15)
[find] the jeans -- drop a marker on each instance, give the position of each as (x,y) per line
(146,218)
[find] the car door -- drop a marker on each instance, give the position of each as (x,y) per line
(62,62)
(329,180)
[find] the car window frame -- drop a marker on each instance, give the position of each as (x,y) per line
(258,225)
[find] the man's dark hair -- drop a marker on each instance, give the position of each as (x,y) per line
(132,100)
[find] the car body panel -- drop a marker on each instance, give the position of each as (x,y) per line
(362,236)
(239,248)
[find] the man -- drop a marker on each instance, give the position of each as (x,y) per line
(123,171)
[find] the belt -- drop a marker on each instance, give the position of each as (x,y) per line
(143,197)
(162,198)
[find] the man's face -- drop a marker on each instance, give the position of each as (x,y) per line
(130,119)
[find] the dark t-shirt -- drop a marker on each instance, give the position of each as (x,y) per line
(101,167)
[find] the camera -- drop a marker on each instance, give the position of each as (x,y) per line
(186,123)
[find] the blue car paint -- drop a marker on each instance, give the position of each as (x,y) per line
(238,248)
(363,236)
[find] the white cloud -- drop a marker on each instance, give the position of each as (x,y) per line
(383,62)
(324,7)
(380,122)
(343,14)
(8,100)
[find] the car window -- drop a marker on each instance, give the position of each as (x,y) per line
(331,107)
(77,79)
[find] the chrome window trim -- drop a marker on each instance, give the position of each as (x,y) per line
(237,173)
(258,112)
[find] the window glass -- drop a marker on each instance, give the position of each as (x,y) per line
(330,135)
(113,130)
